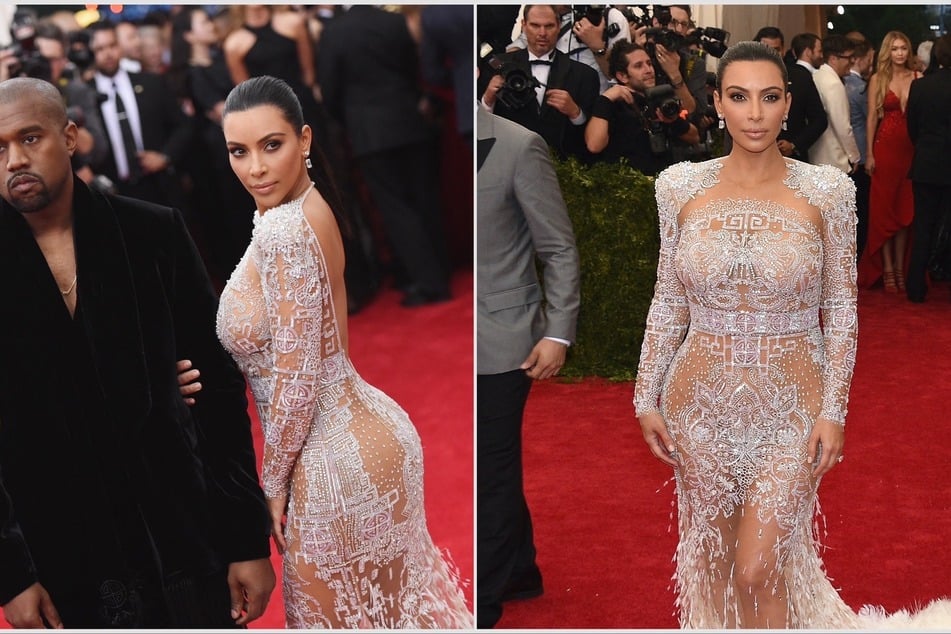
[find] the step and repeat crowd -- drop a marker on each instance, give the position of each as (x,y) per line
(148,95)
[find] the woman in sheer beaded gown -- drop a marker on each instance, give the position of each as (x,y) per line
(744,374)
(341,459)
(738,387)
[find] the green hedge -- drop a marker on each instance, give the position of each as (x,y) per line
(614,213)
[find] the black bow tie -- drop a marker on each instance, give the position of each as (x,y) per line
(543,62)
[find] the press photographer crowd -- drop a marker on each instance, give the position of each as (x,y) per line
(619,81)
(606,83)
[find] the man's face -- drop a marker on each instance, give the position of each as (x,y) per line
(814,55)
(105,50)
(130,42)
(774,43)
(679,20)
(541,29)
(35,153)
(640,72)
(55,54)
(863,65)
(841,63)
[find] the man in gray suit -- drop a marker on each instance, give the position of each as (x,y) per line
(521,216)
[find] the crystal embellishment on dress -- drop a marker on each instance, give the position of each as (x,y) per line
(358,550)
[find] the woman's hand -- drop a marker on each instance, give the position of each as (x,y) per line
(870,164)
(187,380)
(658,438)
(827,440)
(278,508)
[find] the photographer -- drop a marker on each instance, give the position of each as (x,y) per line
(542,89)
(40,52)
(586,34)
(679,51)
(638,120)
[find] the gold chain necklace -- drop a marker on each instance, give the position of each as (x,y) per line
(69,290)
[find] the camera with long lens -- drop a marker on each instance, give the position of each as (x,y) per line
(27,59)
(660,97)
(519,87)
(712,40)
(595,13)
(78,53)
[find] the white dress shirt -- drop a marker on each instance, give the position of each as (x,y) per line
(110,117)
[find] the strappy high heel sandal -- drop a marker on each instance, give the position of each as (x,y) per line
(888,279)
(900,279)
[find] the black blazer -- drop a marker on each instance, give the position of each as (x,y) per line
(929,127)
(368,71)
(165,127)
(807,117)
(145,301)
(582,83)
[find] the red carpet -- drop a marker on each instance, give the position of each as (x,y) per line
(605,526)
(422,357)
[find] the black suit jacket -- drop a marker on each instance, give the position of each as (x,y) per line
(165,128)
(807,118)
(368,71)
(579,80)
(145,301)
(929,127)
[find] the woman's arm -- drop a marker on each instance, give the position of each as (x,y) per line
(838,299)
(236,46)
(296,294)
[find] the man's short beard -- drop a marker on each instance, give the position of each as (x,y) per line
(36,202)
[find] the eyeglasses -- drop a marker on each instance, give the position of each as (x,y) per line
(851,58)
(682,23)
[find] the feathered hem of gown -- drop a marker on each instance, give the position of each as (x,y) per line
(934,616)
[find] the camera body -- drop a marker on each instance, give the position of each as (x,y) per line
(658,97)
(519,88)
(595,13)
(29,62)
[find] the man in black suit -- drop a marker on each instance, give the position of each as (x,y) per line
(807,118)
(929,127)
(368,71)
(120,506)
(566,91)
(143,167)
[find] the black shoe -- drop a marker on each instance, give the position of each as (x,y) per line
(526,586)
(417,297)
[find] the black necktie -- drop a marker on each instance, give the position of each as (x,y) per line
(128,140)
(543,62)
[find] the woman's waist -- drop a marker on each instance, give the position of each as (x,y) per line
(717,321)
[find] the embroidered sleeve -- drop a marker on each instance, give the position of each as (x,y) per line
(294,282)
(839,293)
(668,315)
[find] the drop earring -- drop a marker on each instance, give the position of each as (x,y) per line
(307,162)
(784,122)
(721,123)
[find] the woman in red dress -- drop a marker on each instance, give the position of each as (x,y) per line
(891,204)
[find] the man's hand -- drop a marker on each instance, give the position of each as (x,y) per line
(153,162)
(32,608)
(618,92)
(785,147)
(669,61)
(492,90)
(251,584)
(187,380)
(590,35)
(561,101)
(545,359)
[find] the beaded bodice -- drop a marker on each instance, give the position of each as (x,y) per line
(754,275)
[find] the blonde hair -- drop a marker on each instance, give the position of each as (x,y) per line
(884,69)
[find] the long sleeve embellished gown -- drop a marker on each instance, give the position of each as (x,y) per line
(358,550)
(751,335)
